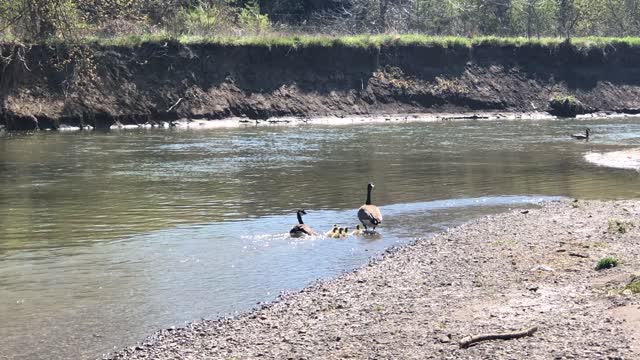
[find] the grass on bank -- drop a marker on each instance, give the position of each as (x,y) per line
(364,41)
(633,286)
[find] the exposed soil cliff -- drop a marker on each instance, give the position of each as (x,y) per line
(46,86)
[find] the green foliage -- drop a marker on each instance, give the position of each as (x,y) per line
(199,20)
(633,285)
(250,19)
(567,98)
(607,263)
(589,23)
(567,106)
(37,20)
(532,18)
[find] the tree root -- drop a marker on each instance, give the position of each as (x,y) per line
(470,340)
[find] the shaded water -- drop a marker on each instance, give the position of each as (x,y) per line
(107,237)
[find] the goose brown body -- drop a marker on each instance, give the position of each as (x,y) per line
(584,136)
(301,228)
(368,214)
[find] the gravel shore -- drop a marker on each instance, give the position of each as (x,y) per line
(496,274)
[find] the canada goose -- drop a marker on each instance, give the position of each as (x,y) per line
(584,136)
(301,229)
(357,231)
(369,214)
(338,233)
(333,231)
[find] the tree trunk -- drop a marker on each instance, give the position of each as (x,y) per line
(382,18)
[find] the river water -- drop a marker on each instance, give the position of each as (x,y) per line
(107,237)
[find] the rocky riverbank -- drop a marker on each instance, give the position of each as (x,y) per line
(497,274)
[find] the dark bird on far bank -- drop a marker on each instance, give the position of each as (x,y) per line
(368,214)
(584,136)
(301,229)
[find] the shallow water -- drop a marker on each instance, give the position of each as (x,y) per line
(107,237)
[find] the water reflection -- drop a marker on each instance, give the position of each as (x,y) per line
(105,237)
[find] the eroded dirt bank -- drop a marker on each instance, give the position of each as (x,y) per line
(47,86)
(496,274)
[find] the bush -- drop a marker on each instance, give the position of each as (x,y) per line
(250,19)
(607,263)
(121,27)
(201,20)
(567,106)
(634,285)
(219,19)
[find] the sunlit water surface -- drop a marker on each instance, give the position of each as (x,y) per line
(107,237)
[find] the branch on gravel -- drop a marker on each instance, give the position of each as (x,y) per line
(470,340)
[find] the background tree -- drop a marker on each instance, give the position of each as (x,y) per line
(37,20)
(43,20)
(568,16)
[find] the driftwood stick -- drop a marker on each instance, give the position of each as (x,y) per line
(470,340)
(174,105)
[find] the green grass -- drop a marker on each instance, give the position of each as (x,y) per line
(362,41)
(607,263)
(633,286)
(562,99)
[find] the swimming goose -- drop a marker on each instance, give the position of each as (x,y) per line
(369,215)
(357,231)
(584,136)
(333,231)
(301,229)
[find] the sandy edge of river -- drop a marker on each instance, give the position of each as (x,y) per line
(495,274)
(623,159)
(237,122)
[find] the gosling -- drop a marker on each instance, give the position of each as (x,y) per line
(338,234)
(333,231)
(346,232)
